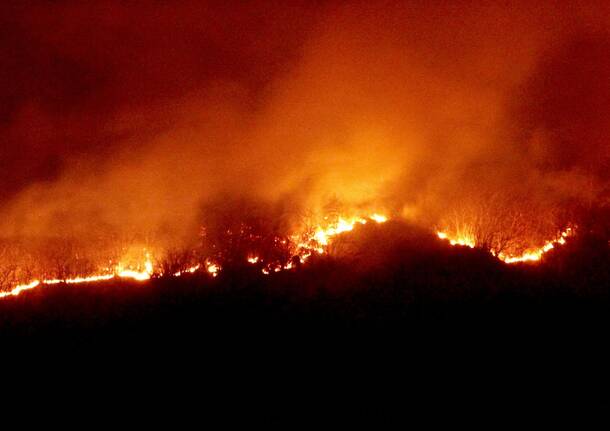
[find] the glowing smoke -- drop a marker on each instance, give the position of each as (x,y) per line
(122,122)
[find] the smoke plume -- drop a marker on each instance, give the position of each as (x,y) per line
(129,119)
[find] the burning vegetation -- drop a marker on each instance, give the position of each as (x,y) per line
(243,236)
(281,133)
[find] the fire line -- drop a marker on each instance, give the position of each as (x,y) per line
(306,245)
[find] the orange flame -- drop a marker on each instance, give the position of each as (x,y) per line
(535,255)
(530,255)
(318,242)
(306,244)
(120,273)
(213,269)
(459,240)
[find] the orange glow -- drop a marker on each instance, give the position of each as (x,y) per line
(530,255)
(120,272)
(319,238)
(20,288)
(213,269)
(323,234)
(534,255)
(316,240)
(78,280)
(379,218)
(190,270)
(134,274)
(458,240)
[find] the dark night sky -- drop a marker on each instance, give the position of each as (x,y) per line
(69,67)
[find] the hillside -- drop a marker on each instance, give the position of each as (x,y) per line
(414,284)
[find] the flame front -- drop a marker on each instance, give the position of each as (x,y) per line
(530,255)
(458,240)
(535,255)
(120,272)
(303,246)
(316,240)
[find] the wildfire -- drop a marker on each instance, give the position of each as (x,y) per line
(316,240)
(213,269)
(120,272)
(536,254)
(304,245)
(190,270)
(20,288)
(323,235)
(530,255)
(309,243)
(459,240)
(379,218)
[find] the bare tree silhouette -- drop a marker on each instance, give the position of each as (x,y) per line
(501,222)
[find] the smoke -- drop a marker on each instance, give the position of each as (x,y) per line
(129,119)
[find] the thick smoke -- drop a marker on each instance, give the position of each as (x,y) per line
(128,119)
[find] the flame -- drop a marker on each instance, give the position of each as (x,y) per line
(379,218)
(78,280)
(190,270)
(120,272)
(316,240)
(213,269)
(137,275)
(535,255)
(134,275)
(459,240)
(306,244)
(20,288)
(530,255)
(323,234)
